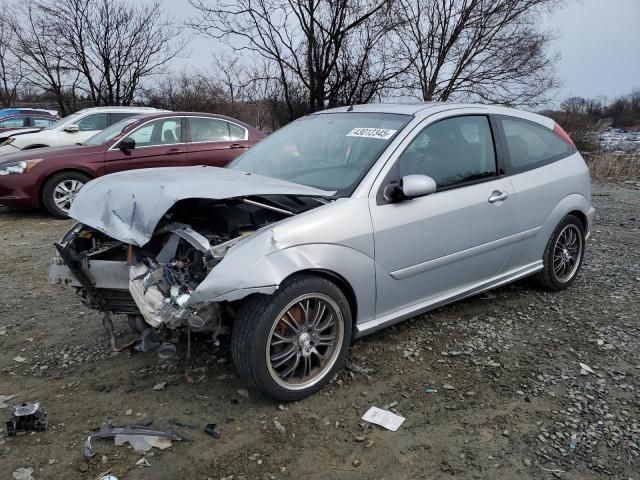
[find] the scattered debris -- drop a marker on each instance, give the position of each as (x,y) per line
(585,369)
(19,359)
(166,351)
(212,429)
(107,477)
(384,418)
(431,390)
(180,423)
(279,427)
(243,392)
(143,462)
(448,386)
(141,438)
(352,367)
(27,417)
(160,386)
(23,474)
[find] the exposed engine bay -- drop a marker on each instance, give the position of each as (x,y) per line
(157,279)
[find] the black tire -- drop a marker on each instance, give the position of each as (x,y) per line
(548,278)
(48,192)
(258,318)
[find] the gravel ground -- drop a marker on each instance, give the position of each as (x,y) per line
(511,399)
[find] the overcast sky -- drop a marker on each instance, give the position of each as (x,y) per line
(598,42)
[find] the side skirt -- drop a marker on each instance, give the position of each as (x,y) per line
(454,295)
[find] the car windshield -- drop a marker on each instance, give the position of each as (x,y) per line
(111,132)
(331,151)
(65,120)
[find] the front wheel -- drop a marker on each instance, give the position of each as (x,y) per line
(563,254)
(290,343)
(60,191)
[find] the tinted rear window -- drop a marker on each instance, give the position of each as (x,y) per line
(531,145)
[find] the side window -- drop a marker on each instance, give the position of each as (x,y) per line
(15,122)
(451,151)
(531,145)
(115,117)
(208,130)
(164,131)
(42,122)
(97,121)
(236,132)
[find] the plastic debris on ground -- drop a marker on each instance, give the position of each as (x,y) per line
(431,390)
(143,443)
(143,462)
(23,474)
(212,429)
(384,418)
(141,438)
(585,369)
(27,417)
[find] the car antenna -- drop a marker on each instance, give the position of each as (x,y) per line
(350,109)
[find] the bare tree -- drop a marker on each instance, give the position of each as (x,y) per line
(112,44)
(45,62)
(305,40)
(483,50)
(10,64)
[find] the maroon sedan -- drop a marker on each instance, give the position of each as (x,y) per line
(51,177)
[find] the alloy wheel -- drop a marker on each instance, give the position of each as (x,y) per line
(305,341)
(65,193)
(567,253)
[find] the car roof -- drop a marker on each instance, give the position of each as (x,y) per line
(424,109)
(5,112)
(167,113)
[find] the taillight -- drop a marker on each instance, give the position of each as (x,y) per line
(558,129)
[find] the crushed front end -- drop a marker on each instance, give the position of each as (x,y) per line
(153,283)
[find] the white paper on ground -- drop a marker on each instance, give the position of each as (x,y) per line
(384,418)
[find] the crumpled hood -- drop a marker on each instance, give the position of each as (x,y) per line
(127,206)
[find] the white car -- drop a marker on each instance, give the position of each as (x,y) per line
(72,129)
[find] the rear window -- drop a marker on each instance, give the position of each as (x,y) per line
(531,145)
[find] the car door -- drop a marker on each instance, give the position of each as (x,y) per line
(215,142)
(535,159)
(88,126)
(41,122)
(158,143)
(13,123)
(436,246)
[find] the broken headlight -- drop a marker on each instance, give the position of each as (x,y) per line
(15,168)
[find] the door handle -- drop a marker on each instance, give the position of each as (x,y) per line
(236,145)
(498,196)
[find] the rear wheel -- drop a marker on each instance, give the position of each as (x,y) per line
(60,191)
(289,344)
(563,255)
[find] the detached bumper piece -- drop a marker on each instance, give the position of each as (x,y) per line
(27,417)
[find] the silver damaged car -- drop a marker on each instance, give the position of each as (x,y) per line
(337,225)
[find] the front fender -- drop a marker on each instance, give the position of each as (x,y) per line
(233,280)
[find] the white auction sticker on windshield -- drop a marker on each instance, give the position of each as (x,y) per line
(365,132)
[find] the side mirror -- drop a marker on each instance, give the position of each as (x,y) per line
(72,128)
(418,185)
(127,144)
(411,186)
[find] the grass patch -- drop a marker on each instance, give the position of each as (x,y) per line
(613,165)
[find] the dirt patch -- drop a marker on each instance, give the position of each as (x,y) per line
(515,404)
